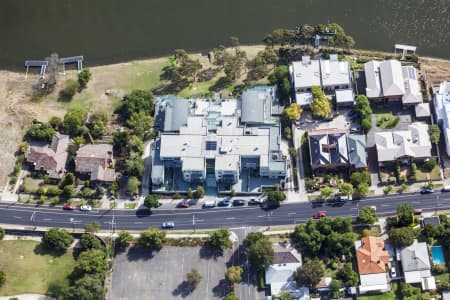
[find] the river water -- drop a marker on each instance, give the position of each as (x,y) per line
(106,31)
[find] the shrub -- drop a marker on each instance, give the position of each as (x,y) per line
(2,233)
(69,90)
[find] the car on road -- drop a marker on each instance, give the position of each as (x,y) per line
(69,207)
(183,204)
(238,202)
(319,214)
(224,203)
(167,225)
(417,211)
(255,201)
(393,272)
(85,208)
(427,191)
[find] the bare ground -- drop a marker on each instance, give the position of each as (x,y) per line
(437,70)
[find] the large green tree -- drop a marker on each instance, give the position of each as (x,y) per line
(281,77)
(234,274)
(346,189)
(57,240)
(90,241)
(133,185)
(141,123)
(401,237)
(367,215)
(259,251)
(137,101)
(91,262)
(310,273)
(151,201)
(73,121)
(123,239)
(83,78)
(405,214)
(220,238)
(348,276)
(152,238)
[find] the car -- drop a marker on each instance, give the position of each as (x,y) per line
(169,224)
(319,214)
(69,207)
(183,204)
(373,207)
(209,204)
(446,189)
(224,203)
(255,201)
(85,208)
(427,191)
(417,211)
(393,272)
(238,202)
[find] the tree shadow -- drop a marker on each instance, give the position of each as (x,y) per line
(137,252)
(222,288)
(184,289)
(40,249)
(208,252)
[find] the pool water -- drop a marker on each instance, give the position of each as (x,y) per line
(438,255)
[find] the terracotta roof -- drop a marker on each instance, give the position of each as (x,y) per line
(96,160)
(50,158)
(371,256)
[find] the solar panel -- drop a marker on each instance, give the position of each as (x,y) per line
(211,145)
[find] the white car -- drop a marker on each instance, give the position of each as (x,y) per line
(169,224)
(85,208)
(393,273)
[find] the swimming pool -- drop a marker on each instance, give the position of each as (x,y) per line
(438,255)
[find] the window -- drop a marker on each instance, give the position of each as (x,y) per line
(211,145)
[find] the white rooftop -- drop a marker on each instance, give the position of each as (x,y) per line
(422,110)
(413,94)
(391,78)
(304,98)
(306,73)
(442,109)
(345,96)
(334,72)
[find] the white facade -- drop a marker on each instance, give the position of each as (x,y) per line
(442,109)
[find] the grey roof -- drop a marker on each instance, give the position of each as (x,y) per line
(257,105)
(357,150)
(157,164)
(415,257)
(171,113)
(328,147)
(433,220)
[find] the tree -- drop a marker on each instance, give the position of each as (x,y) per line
(70,89)
(292,112)
(152,238)
(220,238)
(231,296)
(280,77)
(2,233)
(189,68)
(134,166)
(367,215)
(120,141)
(40,131)
(83,78)
(68,179)
(431,163)
(199,192)
(220,55)
(326,192)
(285,296)
(335,285)
(151,201)
(234,274)
(405,214)
(68,191)
(123,239)
(2,278)
(88,287)
(348,276)
(55,122)
(320,107)
(92,227)
(362,189)
(259,251)
(310,273)
(193,278)
(410,292)
(89,241)
(136,101)
(435,133)
(92,261)
(141,123)
(73,120)
(136,145)
(401,237)
(360,177)
(133,185)
(57,240)
(430,231)
(346,189)
(276,196)
(97,128)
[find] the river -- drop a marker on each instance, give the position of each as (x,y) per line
(107,31)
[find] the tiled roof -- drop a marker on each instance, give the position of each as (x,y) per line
(371,256)
(96,159)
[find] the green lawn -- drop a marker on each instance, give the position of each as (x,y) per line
(387,120)
(28,272)
(433,175)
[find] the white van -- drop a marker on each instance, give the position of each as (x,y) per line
(446,188)
(209,204)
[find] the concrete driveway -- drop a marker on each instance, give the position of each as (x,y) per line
(139,274)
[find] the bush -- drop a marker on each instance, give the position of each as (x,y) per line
(89,241)
(431,163)
(2,278)
(123,239)
(2,233)
(69,90)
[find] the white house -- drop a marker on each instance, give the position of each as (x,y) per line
(416,265)
(442,109)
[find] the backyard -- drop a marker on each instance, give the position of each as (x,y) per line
(28,271)
(385,118)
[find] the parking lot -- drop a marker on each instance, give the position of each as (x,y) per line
(138,274)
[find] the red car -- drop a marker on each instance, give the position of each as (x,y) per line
(319,214)
(69,207)
(183,204)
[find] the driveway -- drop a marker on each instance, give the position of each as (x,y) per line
(140,274)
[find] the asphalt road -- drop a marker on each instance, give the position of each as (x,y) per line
(32,215)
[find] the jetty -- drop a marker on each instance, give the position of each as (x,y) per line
(36,63)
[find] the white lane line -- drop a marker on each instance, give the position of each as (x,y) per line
(47,219)
(231,218)
(138,222)
(292,213)
(384,205)
(199,220)
(16,217)
(415,202)
(354,208)
(262,216)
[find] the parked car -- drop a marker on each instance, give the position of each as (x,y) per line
(224,203)
(417,211)
(255,201)
(446,188)
(427,191)
(209,204)
(167,225)
(85,208)
(345,198)
(393,272)
(238,202)
(183,204)
(319,214)
(69,207)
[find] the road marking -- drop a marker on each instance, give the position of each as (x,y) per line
(262,216)
(199,220)
(353,208)
(416,202)
(292,213)
(231,218)
(137,222)
(16,217)
(47,219)
(384,205)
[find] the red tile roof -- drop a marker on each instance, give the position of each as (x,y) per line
(371,256)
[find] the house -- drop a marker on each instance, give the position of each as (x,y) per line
(50,158)
(422,111)
(336,149)
(373,260)
(332,75)
(96,161)
(280,275)
(442,109)
(404,145)
(388,80)
(221,143)
(416,265)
